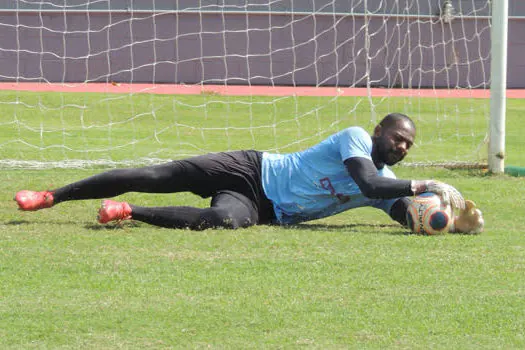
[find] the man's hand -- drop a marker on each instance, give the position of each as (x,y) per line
(470,220)
(448,194)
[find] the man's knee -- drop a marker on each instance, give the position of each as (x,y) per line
(221,217)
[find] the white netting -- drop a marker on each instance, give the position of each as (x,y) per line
(88,83)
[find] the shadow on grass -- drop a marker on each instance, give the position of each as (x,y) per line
(112,226)
(356,227)
(397,229)
(89,226)
(46,222)
(18,222)
(390,229)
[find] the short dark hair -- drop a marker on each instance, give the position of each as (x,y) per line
(392,118)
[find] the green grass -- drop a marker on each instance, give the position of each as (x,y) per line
(52,126)
(356,280)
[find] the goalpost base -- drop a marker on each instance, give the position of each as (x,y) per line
(515,170)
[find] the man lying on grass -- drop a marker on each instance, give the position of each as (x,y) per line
(347,170)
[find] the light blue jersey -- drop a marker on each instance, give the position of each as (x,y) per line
(315,183)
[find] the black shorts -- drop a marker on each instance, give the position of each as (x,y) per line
(237,173)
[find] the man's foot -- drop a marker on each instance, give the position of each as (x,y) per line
(112,210)
(31,200)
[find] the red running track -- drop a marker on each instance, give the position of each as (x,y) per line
(238,90)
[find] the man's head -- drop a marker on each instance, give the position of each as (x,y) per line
(392,139)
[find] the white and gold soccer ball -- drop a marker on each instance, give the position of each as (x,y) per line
(427,215)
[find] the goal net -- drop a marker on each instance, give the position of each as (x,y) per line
(121,83)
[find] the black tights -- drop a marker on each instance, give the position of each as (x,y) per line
(153,179)
(228,209)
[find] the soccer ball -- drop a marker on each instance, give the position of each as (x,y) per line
(427,215)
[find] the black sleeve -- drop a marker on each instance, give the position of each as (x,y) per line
(364,173)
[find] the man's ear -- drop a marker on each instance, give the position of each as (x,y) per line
(377,130)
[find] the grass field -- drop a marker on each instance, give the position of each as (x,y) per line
(57,126)
(356,280)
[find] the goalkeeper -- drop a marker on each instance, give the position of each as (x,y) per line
(349,169)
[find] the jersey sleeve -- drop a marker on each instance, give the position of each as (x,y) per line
(355,142)
(385,204)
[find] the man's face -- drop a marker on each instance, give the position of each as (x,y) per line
(392,143)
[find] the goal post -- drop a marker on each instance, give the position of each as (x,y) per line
(125,83)
(498,87)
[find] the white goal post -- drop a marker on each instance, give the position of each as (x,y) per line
(104,83)
(498,88)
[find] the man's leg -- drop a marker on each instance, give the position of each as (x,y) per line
(176,176)
(228,210)
(204,175)
(164,178)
